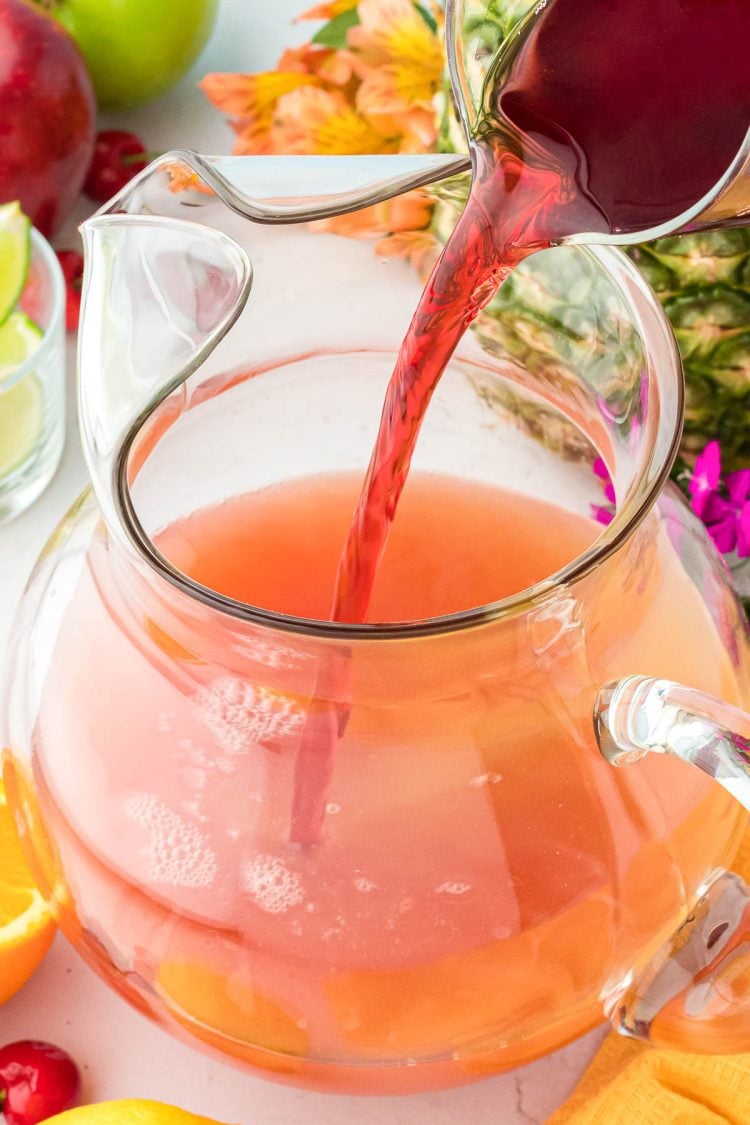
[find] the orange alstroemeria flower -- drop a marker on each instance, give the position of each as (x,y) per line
(328,11)
(313,120)
(250,100)
(399,58)
(375,95)
(184,178)
(252,95)
(409,212)
(331,67)
(419,130)
(400,225)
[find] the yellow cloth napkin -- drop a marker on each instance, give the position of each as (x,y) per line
(632,1084)
(629,1083)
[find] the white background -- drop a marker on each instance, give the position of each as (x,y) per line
(121,1054)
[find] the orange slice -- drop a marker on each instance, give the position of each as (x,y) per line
(232,1016)
(26,926)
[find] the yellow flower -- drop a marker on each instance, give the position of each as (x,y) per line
(376,95)
(250,99)
(400,59)
(313,120)
(252,95)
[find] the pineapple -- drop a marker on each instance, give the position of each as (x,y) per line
(702,280)
(546,319)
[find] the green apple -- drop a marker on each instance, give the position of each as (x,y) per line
(135,49)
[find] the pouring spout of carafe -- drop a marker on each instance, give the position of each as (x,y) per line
(480,41)
(158,295)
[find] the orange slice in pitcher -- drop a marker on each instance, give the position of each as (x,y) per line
(232,1016)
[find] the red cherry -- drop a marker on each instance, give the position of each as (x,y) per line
(72,267)
(37,1081)
(117,157)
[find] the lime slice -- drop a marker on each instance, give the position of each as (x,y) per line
(21,407)
(15,253)
(19,338)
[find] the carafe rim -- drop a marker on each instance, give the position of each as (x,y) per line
(626,521)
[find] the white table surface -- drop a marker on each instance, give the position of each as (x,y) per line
(121,1053)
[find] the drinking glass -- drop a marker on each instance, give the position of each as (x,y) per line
(32,395)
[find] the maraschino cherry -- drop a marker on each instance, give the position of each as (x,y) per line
(118,155)
(37,1081)
(72,267)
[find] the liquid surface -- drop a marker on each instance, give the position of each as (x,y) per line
(456,545)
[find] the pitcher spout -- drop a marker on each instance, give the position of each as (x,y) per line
(286,189)
(158,296)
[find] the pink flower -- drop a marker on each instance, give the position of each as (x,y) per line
(604,514)
(706,474)
(738,486)
(601,514)
(723,506)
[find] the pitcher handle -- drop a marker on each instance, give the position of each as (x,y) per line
(694,994)
(639,714)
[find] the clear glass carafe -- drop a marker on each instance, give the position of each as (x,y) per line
(482,884)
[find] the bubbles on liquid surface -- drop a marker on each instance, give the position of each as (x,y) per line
(177,852)
(453,888)
(193,778)
(240,714)
(270,884)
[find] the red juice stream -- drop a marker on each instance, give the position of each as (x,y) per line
(479,255)
(603,117)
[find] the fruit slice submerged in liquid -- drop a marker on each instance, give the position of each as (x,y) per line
(15,252)
(21,400)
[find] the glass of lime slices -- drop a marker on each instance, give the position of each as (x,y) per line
(32,362)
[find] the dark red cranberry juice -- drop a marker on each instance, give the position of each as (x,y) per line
(641,104)
(600,116)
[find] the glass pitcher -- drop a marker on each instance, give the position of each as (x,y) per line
(481,884)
